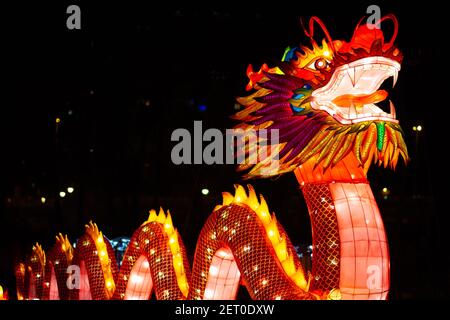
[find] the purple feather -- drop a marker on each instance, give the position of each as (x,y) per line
(295,130)
(273,106)
(288,122)
(270,117)
(274,97)
(299,142)
(276,86)
(285,80)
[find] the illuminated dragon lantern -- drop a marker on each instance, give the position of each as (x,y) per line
(324,101)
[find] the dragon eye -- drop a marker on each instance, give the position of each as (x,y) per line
(319,64)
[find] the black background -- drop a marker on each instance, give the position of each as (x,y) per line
(133,73)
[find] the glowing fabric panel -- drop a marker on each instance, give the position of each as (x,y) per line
(140,284)
(53,284)
(364,249)
(85,288)
(223,277)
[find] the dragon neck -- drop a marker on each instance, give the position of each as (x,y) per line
(350,250)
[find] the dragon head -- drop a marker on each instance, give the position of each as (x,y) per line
(325,100)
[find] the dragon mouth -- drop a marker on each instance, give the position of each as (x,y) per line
(352,93)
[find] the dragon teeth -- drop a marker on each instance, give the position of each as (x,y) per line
(351,75)
(355,74)
(395,78)
(392,109)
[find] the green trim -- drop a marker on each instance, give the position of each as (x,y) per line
(381,131)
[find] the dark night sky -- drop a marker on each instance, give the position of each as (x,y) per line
(134,73)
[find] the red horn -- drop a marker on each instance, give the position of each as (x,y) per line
(310,32)
(395,22)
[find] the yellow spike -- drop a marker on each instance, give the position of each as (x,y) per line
(227,198)
(40,254)
(173,242)
(92,229)
(161,216)
(183,284)
(103,255)
(100,238)
(20,268)
(263,211)
(252,200)
(152,217)
(59,238)
(64,243)
(69,249)
(272,232)
(178,263)
(109,284)
(239,195)
(168,226)
(281,250)
(300,280)
(217,207)
(289,266)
